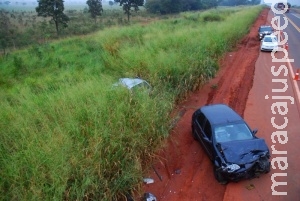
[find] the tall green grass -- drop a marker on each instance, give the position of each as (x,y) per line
(66,133)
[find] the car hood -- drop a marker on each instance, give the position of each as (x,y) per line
(270,43)
(243,151)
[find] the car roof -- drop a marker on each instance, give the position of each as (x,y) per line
(131,82)
(265,27)
(220,114)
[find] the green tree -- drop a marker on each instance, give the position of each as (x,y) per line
(128,4)
(193,5)
(6,31)
(95,8)
(234,2)
(206,4)
(172,6)
(111,3)
(53,9)
(176,6)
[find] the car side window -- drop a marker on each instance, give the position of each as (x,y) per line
(207,130)
(201,120)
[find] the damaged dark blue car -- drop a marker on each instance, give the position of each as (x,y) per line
(231,145)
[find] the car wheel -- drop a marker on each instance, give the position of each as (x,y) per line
(265,165)
(268,167)
(219,177)
(193,133)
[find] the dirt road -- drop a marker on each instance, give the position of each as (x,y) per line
(185,170)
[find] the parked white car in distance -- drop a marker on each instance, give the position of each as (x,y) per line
(269,43)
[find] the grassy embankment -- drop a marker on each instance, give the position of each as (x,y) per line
(22,27)
(66,134)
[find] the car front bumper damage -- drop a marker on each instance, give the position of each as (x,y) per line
(247,171)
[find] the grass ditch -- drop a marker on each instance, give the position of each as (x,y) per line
(67,134)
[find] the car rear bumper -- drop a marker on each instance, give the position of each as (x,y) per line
(261,36)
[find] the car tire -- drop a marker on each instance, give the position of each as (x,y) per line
(268,167)
(219,177)
(265,165)
(193,133)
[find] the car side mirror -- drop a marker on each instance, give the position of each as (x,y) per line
(254,131)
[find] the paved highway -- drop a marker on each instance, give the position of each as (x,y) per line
(273,86)
(293,32)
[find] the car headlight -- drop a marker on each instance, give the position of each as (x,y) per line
(232,167)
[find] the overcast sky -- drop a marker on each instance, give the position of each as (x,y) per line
(292,2)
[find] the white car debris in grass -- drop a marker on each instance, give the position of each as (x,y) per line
(133,83)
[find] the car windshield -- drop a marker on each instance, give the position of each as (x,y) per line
(263,29)
(232,132)
(270,39)
(143,85)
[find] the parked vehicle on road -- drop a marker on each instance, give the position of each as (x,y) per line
(234,149)
(281,6)
(269,43)
(264,30)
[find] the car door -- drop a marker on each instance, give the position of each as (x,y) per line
(198,123)
(207,139)
(201,126)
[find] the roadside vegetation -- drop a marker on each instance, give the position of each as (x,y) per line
(24,28)
(67,134)
(24,23)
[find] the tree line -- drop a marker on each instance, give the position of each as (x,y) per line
(54,10)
